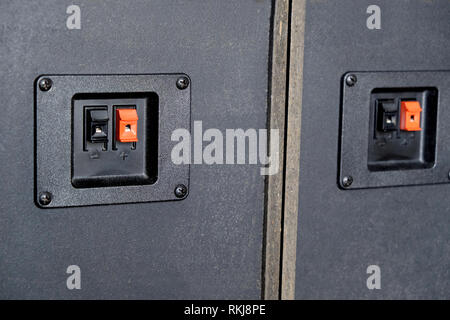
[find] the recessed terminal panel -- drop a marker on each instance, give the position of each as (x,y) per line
(113,141)
(393,129)
(102,158)
(402,131)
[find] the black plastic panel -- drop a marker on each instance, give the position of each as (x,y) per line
(423,157)
(394,148)
(60,110)
(115,163)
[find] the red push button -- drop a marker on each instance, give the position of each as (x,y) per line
(410,116)
(126,125)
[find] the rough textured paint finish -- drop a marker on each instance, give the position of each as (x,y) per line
(403,230)
(207,246)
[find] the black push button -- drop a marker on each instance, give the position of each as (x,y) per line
(387,115)
(97,125)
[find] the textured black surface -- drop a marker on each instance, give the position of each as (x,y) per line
(404,230)
(54,152)
(357,130)
(206,246)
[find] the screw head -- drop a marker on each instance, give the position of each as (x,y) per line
(45,198)
(350,80)
(180,191)
(448,175)
(182,83)
(347,181)
(45,84)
